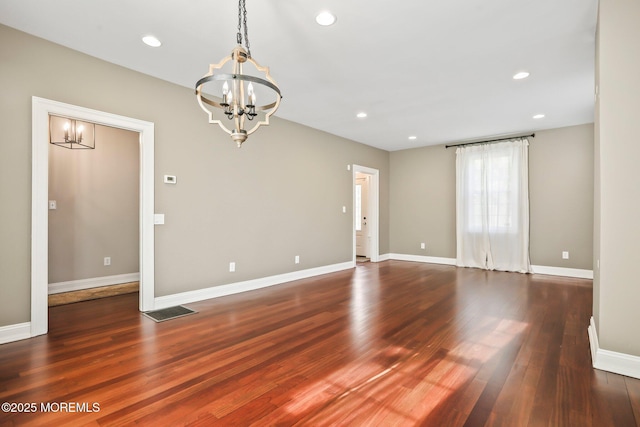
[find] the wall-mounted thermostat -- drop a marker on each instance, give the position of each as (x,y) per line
(170,179)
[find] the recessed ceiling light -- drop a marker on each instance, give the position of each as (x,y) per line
(151,41)
(326,18)
(538,116)
(361,115)
(412,137)
(521,75)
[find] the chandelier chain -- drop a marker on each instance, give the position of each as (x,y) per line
(242,22)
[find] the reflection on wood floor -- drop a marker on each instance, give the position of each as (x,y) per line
(384,344)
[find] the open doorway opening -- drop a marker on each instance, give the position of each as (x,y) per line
(366,214)
(94,209)
(41,110)
(362,217)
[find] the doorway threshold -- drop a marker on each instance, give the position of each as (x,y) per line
(93,293)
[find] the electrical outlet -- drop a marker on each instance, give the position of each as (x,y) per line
(565,254)
(297,259)
(107,260)
(232,267)
(423,246)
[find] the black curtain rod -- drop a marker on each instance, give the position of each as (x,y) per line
(491,140)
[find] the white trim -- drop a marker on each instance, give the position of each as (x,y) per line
(422,258)
(94,282)
(19,331)
(40,109)
(611,361)
(593,340)
(248,285)
(384,257)
(374,210)
(537,269)
(562,271)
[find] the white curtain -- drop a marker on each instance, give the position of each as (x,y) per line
(492,204)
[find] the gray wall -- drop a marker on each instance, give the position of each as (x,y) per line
(278,196)
(97,194)
(423,206)
(423,201)
(561,197)
(617,205)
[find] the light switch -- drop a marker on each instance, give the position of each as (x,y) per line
(158,219)
(53,204)
(170,179)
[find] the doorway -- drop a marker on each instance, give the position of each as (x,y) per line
(363,238)
(41,109)
(366,214)
(94,210)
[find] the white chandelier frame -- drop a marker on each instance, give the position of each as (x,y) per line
(241,110)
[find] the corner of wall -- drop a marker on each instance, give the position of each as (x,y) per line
(611,361)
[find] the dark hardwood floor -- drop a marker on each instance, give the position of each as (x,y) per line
(384,344)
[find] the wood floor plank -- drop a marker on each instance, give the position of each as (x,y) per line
(391,343)
(633,389)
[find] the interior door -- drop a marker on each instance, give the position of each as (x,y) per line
(361,213)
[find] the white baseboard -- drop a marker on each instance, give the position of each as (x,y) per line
(248,285)
(562,271)
(384,257)
(94,282)
(537,269)
(611,361)
(421,258)
(17,332)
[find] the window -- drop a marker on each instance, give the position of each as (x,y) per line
(490,195)
(492,199)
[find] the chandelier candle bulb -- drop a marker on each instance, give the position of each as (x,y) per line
(225,92)
(250,93)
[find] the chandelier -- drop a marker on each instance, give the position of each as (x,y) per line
(70,133)
(237,83)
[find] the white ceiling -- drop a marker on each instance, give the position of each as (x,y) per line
(439,70)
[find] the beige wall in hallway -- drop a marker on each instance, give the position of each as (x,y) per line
(97,195)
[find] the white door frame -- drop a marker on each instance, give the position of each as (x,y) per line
(41,108)
(374,210)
